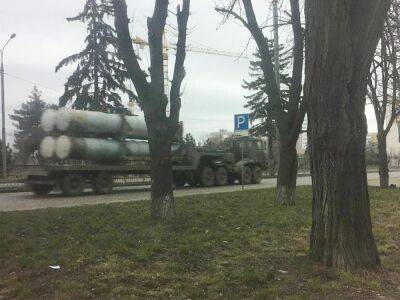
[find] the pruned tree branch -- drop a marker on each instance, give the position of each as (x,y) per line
(230,12)
(297,113)
(156,27)
(179,70)
(262,43)
(127,52)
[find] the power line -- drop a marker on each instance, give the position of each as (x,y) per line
(207,120)
(32,82)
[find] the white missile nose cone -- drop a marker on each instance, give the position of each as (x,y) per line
(47,147)
(48,120)
(63,118)
(63,147)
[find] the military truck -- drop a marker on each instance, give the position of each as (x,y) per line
(242,159)
(84,148)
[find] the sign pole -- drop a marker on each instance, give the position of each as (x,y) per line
(241,128)
(242,166)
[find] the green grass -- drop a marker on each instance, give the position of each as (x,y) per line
(221,246)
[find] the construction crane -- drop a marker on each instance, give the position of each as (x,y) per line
(167,47)
(142,43)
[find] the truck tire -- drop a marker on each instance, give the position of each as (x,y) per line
(191,179)
(41,189)
(72,184)
(248,174)
(257,175)
(207,177)
(231,178)
(179,180)
(221,176)
(103,183)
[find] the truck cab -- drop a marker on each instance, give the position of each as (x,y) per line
(240,159)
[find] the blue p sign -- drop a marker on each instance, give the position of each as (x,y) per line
(242,122)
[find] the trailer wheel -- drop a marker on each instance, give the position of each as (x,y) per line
(207,177)
(221,176)
(72,184)
(247,175)
(41,189)
(257,175)
(103,183)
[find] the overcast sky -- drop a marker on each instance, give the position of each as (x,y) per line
(212,88)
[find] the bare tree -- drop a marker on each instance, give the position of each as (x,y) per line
(341,38)
(289,116)
(152,99)
(383,87)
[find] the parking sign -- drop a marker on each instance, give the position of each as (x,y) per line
(241,122)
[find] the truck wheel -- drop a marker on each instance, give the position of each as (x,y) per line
(247,175)
(103,183)
(231,179)
(191,179)
(72,184)
(207,177)
(41,189)
(221,176)
(179,180)
(257,175)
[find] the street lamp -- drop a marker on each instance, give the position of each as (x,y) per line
(3,113)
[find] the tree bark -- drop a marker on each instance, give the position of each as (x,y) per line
(341,40)
(95,104)
(162,196)
(383,161)
(287,173)
(271,156)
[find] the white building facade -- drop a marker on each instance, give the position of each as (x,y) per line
(302,142)
(393,144)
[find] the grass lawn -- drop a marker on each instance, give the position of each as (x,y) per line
(221,246)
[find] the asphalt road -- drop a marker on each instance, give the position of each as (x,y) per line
(28,201)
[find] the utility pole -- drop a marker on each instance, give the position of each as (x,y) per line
(3,112)
(166,64)
(276,56)
(276,44)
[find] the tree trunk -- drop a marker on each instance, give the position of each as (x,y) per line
(341,40)
(383,161)
(95,105)
(271,156)
(287,174)
(341,233)
(152,98)
(162,196)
